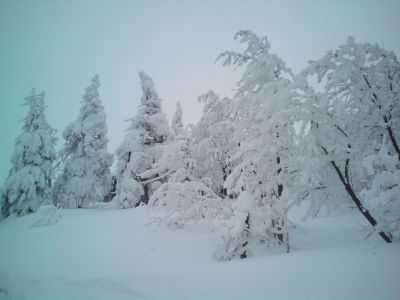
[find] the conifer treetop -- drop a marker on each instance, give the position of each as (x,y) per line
(150,101)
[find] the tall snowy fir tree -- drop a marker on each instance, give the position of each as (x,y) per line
(85,177)
(141,148)
(30,179)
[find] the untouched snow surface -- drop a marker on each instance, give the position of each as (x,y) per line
(115,254)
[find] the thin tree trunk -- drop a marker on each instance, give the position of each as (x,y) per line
(287,239)
(277,223)
(344,178)
(247,222)
(392,137)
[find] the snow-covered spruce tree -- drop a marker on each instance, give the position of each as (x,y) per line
(29,182)
(212,140)
(357,119)
(265,111)
(141,148)
(85,177)
(182,198)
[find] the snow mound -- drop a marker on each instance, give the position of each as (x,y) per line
(48,215)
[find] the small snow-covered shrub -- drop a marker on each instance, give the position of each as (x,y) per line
(48,215)
(249,221)
(130,191)
(176,204)
(234,232)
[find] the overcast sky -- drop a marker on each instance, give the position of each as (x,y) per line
(57,46)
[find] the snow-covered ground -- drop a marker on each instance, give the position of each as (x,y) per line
(116,254)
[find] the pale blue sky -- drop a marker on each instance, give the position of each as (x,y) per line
(57,46)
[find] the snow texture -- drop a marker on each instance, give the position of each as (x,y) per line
(116,256)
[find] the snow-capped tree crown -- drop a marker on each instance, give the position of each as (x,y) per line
(150,122)
(261,65)
(358,103)
(150,103)
(91,102)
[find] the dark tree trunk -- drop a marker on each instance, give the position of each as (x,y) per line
(276,222)
(392,137)
(344,179)
(247,222)
(5,210)
(145,197)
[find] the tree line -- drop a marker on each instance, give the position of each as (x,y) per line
(328,135)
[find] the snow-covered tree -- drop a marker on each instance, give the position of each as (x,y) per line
(30,179)
(131,160)
(183,198)
(212,141)
(85,177)
(314,181)
(265,111)
(175,163)
(141,148)
(354,118)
